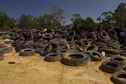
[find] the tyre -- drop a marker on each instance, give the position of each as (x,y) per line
(19,44)
(85,42)
(119,77)
(92,48)
(26,52)
(40,44)
(1,56)
(75,58)
(96,56)
(5,49)
(112,33)
(103,36)
(47,36)
(29,44)
(40,51)
(120,59)
(52,57)
(8,41)
(110,66)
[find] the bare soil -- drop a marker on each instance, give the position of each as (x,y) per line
(34,70)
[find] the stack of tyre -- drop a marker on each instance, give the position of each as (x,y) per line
(116,65)
(75,48)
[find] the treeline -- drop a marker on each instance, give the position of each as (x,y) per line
(54,21)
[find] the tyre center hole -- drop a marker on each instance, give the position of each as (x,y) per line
(86,43)
(96,54)
(11,62)
(53,55)
(76,56)
(112,32)
(104,34)
(112,64)
(119,59)
(27,50)
(122,76)
(90,48)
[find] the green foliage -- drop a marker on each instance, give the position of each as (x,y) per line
(106,16)
(57,14)
(53,20)
(116,18)
(5,21)
(26,21)
(80,23)
(89,23)
(120,15)
(48,22)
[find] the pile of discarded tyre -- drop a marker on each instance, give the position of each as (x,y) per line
(4,48)
(75,48)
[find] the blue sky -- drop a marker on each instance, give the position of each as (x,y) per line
(86,8)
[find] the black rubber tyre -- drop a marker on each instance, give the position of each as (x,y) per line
(96,56)
(124,67)
(8,49)
(1,56)
(104,36)
(40,44)
(85,42)
(40,51)
(120,59)
(60,44)
(92,48)
(112,33)
(8,41)
(19,44)
(110,66)
(119,77)
(47,36)
(5,49)
(29,44)
(52,57)
(75,58)
(27,52)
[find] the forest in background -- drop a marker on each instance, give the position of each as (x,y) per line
(54,20)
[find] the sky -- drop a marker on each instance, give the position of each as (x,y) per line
(92,8)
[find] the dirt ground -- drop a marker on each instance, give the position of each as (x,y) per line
(33,70)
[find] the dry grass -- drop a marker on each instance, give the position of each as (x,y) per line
(33,70)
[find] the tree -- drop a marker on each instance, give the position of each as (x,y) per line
(26,21)
(90,24)
(106,19)
(57,14)
(80,24)
(6,22)
(78,21)
(120,15)
(116,18)
(105,16)
(49,22)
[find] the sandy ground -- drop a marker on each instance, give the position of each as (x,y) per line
(33,70)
